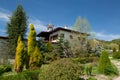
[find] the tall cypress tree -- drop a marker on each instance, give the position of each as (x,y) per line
(35,57)
(17,26)
(20,55)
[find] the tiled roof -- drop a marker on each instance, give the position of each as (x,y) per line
(59,28)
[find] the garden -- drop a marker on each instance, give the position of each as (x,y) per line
(36,60)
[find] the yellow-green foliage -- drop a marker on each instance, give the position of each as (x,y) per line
(20,52)
(31,40)
(35,57)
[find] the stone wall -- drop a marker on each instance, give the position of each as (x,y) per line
(3,47)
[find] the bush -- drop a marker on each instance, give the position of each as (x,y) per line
(91,78)
(111,70)
(63,69)
(25,75)
(32,74)
(84,60)
(48,57)
(81,60)
(116,55)
(105,66)
(80,52)
(88,69)
(4,68)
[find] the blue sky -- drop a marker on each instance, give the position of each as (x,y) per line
(103,15)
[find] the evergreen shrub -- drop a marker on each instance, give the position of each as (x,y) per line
(63,69)
(116,55)
(4,68)
(105,66)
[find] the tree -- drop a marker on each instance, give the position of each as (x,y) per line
(20,55)
(16,27)
(35,57)
(59,48)
(63,49)
(41,45)
(104,63)
(78,24)
(82,25)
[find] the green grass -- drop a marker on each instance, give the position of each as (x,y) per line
(94,70)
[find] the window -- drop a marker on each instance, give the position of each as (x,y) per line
(54,37)
(71,37)
(62,35)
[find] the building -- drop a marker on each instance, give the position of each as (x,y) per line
(3,47)
(53,35)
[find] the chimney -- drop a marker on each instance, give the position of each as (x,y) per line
(66,27)
(50,27)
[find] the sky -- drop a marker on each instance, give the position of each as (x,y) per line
(102,15)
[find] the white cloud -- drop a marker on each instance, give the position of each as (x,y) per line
(4,14)
(108,37)
(39,25)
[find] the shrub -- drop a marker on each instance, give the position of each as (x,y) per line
(81,60)
(15,77)
(105,66)
(88,69)
(32,74)
(111,70)
(91,78)
(84,60)
(80,52)
(4,68)
(25,75)
(63,69)
(116,55)
(48,57)
(49,47)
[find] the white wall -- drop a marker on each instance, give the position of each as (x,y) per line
(73,42)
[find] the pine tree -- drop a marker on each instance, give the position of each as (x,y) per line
(20,55)
(16,27)
(35,57)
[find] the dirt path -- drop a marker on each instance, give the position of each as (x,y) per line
(117,64)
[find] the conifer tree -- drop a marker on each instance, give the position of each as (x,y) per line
(17,26)
(20,55)
(35,57)
(104,63)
